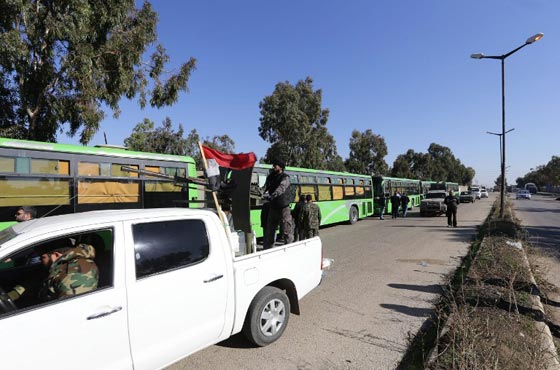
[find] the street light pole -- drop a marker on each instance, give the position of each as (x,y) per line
(501,153)
(503,57)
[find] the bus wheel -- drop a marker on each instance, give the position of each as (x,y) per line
(353,216)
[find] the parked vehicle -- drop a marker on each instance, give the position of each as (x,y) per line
(523,194)
(531,187)
(433,203)
(169,285)
(476,191)
(483,192)
(467,197)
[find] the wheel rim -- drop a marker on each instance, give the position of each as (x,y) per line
(273,316)
(354,215)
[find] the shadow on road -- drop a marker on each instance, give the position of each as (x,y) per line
(237,341)
(433,288)
(410,311)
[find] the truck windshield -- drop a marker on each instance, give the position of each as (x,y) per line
(435,195)
(6,235)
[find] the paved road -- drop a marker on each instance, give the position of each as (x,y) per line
(540,216)
(381,288)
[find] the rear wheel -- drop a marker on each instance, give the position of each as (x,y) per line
(267,317)
(353,215)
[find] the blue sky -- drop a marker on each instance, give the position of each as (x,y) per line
(400,68)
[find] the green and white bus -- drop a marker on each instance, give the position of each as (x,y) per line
(341,196)
(388,186)
(63,178)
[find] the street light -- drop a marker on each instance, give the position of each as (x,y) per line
(503,57)
(500,135)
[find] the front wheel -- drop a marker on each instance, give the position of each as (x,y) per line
(353,215)
(267,317)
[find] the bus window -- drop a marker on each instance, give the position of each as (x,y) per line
(307,189)
(116,170)
(49,167)
(107,192)
(7,164)
(324,192)
(338,192)
(23,165)
(88,169)
(43,192)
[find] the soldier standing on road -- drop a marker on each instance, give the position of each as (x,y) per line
(452,204)
(404,204)
(395,203)
(382,202)
(277,192)
(296,215)
(311,218)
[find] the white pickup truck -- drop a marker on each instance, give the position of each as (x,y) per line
(168,285)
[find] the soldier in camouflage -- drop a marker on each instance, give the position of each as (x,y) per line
(71,271)
(310,218)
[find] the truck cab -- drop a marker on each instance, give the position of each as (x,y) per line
(433,203)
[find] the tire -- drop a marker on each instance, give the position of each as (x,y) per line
(353,215)
(267,317)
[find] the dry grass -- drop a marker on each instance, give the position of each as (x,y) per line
(490,316)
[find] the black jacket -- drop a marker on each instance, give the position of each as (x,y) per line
(278,187)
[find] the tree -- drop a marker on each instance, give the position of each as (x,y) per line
(445,167)
(61,61)
(443,162)
(544,175)
(146,138)
(498,182)
(294,123)
(438,164)
(165,140)
(367,151)
(403,165)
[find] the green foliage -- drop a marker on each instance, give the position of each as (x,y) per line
(367,151)
(146,138)
(164,139)
(412,165)
(544,175)
(294,123)
(438,164)
(61,61)
(498,182)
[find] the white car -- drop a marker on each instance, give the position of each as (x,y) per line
(483,192)
(523,194)
(476,191)
(169,285)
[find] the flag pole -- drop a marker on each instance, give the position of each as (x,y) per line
(214,195)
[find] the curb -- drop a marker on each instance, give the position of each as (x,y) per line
(548,342)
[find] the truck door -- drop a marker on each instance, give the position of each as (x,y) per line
(177,290)
(87,330)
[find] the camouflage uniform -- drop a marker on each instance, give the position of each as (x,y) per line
(310,220)
(73,273)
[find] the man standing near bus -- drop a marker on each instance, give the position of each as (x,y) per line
(25,213)
(311,218)
(395,203)
(277,192)
(404,204)
(452,203)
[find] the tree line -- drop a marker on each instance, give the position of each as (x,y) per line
(546,177)
(62,64)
